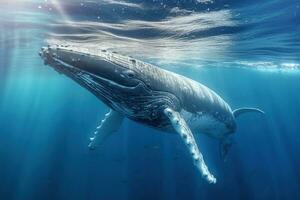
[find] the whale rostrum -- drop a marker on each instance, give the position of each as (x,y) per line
(148,95)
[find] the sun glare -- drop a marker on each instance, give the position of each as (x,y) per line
(60,9)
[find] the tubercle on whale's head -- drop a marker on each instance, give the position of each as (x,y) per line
(68,60)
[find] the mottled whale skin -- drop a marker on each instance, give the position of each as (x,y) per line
(147,94)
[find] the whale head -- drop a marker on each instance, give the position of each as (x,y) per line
(96,72)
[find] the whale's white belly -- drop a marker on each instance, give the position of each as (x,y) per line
(204,123)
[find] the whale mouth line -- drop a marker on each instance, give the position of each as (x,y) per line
(86,76)
(101,87)
(62,67)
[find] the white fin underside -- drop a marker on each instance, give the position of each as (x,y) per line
(204,123)
(184,131)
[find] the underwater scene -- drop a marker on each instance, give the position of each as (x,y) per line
(149,99)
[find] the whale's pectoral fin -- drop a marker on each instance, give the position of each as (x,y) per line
(108,125)
(225,145)
(184,131)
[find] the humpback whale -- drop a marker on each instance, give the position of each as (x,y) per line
(148,95)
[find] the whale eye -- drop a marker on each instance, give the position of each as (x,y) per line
(129,73)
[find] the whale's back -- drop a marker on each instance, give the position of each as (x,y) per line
(193,97)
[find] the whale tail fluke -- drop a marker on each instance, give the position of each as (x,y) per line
(239,111)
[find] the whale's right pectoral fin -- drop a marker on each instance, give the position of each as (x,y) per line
(184,131)
(111,123)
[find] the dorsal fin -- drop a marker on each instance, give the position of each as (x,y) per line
(239,111)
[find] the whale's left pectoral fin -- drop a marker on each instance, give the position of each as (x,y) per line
(111,123)
(184,131)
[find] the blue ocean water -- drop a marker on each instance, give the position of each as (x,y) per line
(247,51)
